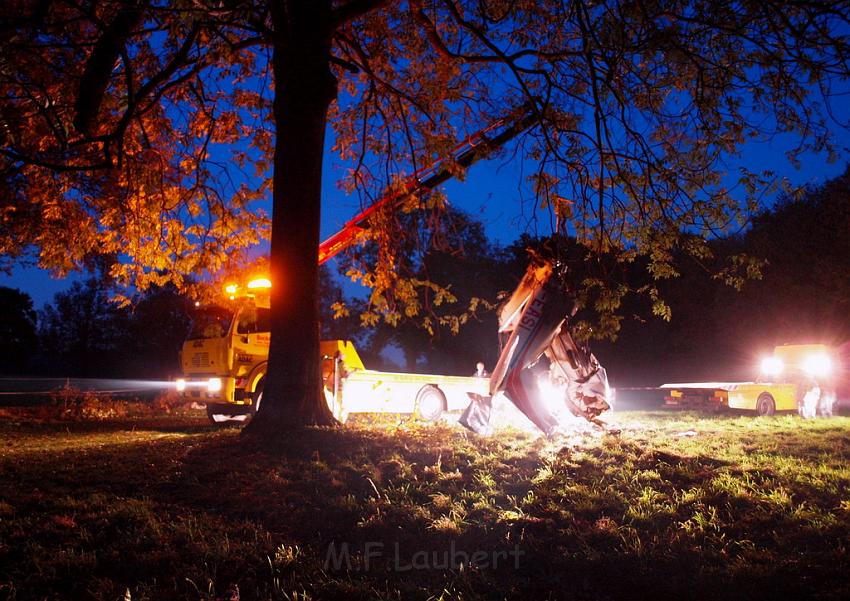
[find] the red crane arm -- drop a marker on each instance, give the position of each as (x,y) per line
(466,153)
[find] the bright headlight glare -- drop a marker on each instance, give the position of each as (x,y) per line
(818,365)
(772,366)
(214,384)
(180,385)
(550,395)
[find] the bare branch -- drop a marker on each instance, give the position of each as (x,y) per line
(354,9)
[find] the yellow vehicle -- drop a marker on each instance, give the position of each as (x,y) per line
(225,359)
(351,388)
(786,377)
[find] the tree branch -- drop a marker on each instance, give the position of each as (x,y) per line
(100,64)
(354,9)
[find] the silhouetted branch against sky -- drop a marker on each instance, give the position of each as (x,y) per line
(144,130)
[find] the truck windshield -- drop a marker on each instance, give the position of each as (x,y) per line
(210,322)
(252,319)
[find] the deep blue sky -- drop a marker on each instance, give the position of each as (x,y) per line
(491,193)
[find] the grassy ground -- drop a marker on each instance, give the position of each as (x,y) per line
(678,506)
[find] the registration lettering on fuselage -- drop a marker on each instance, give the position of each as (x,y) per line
(532,314)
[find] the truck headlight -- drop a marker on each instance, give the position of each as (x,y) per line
(772,366)
(213,384)
(818,365)
(180,384)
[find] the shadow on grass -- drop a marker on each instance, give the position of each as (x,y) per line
(406,511)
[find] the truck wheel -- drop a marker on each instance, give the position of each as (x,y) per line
(258,398)
(765,405)
(430,403)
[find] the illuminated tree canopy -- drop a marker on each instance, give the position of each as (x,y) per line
(151,130)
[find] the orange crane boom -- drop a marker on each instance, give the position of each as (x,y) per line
(465,154)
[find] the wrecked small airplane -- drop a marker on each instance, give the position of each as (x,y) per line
(534,323)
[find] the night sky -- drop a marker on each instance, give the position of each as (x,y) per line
(495,194)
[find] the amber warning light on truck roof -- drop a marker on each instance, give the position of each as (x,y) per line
(259,283)
(256,284)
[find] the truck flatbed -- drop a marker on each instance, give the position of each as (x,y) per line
(764,398)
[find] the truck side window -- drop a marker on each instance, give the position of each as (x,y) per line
(210,322)
(253,320)
(264,323)
(247,323)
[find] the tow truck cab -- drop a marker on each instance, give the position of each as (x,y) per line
(785,377)
(225,360)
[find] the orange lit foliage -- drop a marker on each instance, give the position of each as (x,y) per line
(133,172)
(144,129)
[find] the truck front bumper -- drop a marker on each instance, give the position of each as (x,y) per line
(211,390)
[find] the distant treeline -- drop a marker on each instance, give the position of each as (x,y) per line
(718,332)
(81,333)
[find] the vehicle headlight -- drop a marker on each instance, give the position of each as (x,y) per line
(818,365)
(213,384)
(772,366)
(180,385)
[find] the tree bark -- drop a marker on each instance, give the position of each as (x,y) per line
(304,89)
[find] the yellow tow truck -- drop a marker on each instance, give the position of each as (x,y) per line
(786,377)
(225,359)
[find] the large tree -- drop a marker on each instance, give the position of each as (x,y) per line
(147,128)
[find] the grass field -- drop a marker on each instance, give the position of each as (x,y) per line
(678,506)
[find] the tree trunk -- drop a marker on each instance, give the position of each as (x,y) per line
(304,89)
